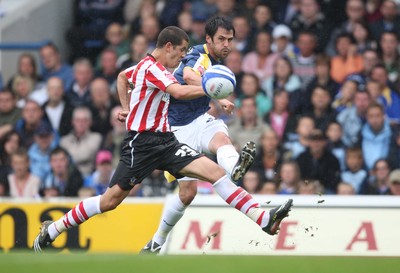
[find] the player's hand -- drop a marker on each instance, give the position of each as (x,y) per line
(122,115)
(227,106)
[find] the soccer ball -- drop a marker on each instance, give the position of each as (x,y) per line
(218,82)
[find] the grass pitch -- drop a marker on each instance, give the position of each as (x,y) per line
(121,263)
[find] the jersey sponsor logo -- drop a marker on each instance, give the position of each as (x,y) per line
(186,151)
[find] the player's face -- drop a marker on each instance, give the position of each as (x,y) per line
(220,45)
(176,53)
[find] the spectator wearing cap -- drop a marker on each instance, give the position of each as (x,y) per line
(282,40)
(45,140)
(394,182)
(98,181)
(318,163)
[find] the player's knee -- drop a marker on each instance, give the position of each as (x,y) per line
(187,195)
(109,204)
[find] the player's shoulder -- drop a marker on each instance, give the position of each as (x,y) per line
(195,51)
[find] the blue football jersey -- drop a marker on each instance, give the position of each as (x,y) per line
(182,112)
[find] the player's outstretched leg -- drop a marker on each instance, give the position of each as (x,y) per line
(241,200)
(49,230)
(245,160)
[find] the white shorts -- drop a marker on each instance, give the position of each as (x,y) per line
(199,133)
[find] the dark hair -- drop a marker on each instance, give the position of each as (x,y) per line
(216,22)
(31,59)
(6,90)
(4,157)
(379,65)
(376,105)
(354,150)
(307,33)
(323,59)
(345,35)
(287,61)
(59,150)
(390,32)
(173,35)
(51,45)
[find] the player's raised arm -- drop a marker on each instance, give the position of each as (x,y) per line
(185,92)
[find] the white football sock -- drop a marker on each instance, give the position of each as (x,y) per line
(238,198)
(76,216)
(173,212)
(227,157)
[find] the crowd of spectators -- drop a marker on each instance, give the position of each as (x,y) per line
(318,88)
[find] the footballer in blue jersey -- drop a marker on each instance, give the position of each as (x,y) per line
(193,126)
(182,112)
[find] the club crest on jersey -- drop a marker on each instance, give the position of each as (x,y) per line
(165,97)
(132,181)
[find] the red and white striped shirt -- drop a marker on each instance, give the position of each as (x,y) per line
(149,101)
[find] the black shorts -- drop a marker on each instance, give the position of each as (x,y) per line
(142,153)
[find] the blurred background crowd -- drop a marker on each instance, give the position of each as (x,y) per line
(318,88)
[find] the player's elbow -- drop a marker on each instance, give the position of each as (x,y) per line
(178,95)
(187,77)
(121,75)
